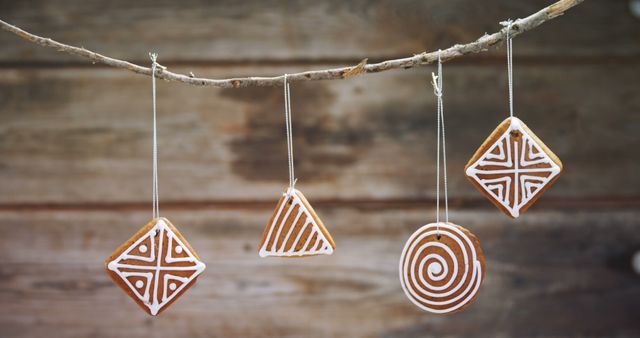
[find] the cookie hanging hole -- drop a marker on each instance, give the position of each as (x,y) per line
(515,134)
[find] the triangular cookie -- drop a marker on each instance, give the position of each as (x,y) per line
(295,230)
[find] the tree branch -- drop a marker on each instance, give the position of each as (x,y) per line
(482,44)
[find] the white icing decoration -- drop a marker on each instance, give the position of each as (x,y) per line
(321,246)
(421,288)
(178,250)
(139,284)
(515,168)
(143,248)
(147,276)
(172,286)
(151,273)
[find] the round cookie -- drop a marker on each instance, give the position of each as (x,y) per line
(442,267)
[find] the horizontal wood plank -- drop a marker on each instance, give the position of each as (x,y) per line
(75,166)
(550,273)
(345,31)
(83,136)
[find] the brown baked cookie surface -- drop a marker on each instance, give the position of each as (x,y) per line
(513,167)
(295,230)
(155,266)
(442,268)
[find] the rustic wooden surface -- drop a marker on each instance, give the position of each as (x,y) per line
(281,31)
(84,135)
(557,273)
(75,167)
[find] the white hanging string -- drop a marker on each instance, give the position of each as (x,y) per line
(438,91)
(509,24)
(289,128)
(155,196)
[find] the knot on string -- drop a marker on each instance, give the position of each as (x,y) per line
(291,188)
(436,80)
(155,65)
(508,24)
(437,90)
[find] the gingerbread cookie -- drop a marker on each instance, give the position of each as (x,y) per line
(295,230)
(155,266)
(513,167)
(442,268)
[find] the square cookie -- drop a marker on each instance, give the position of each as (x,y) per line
(155,266)
(512,168)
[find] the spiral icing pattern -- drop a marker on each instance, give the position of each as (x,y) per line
(441,269)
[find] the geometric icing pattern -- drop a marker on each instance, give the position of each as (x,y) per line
(155,266)
(515,169)
(295,230)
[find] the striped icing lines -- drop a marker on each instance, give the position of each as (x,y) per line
(295,230)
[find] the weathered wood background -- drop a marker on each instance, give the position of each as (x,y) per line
(75,166)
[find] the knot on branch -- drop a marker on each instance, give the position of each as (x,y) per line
(355,70)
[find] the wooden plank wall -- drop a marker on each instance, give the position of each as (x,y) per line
(75,166)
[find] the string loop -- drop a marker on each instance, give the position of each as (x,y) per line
(508,24)
(441,144)
(155,196)
(289,129)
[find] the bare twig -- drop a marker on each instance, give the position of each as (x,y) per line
(482,44)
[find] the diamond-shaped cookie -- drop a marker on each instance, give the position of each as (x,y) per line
(295,230)
(513,167)
(155,266)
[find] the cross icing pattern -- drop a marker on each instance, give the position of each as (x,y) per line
(514,170)
(157,267)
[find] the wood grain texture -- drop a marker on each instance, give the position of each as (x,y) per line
(479,45)
(75,165)
(224,31)
(84,136)
(549,274)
